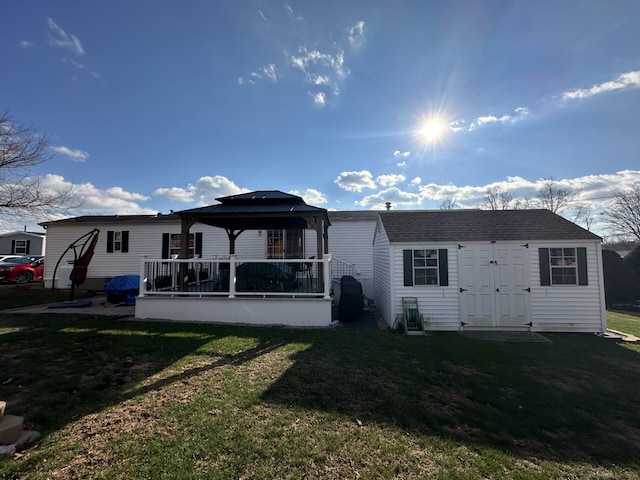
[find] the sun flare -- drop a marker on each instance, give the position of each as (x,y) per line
(432,130)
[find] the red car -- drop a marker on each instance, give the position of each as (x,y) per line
(22,269)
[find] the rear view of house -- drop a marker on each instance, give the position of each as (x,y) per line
(483,269)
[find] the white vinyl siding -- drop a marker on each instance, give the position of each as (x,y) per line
(439,306)
(351,241)
(383,288)
(566,308)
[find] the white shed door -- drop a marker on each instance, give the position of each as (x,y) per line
(494,285)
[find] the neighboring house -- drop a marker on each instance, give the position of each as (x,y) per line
(22,243)
(124,238)
(484,269)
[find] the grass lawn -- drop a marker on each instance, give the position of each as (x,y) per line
(124,399)
(15,296)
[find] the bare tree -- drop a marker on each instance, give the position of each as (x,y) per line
(584,215)
(449,204)
(21,192)
(623,216)
(497,199)
(553,197)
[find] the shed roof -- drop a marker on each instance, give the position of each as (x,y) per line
(480,225)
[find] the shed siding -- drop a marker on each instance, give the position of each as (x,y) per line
(383,290)
(566,308)
(439,306)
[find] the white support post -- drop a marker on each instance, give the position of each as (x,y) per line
(141,286)
(232,276)
(326,260)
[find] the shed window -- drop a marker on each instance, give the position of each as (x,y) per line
(426,266)
(563,266)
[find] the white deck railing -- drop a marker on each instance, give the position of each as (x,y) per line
(232,277)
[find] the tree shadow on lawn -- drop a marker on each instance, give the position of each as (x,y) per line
(572,399)
(59,368)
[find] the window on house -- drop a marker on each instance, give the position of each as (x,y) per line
(172,244)
(285,243)
(117,241)
(20,247)
(426,266)
(175,244)
(563,266)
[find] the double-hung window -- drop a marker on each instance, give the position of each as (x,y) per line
(117,241)
(21,247)
(426,266)
(563,266)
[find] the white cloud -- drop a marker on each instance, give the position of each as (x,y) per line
(75,155)
(390,180)
(517,115)
(93,200)
(291,14)
(399,154)
(319,98)
(204,192)
(311,196)
(393,195)
(356,34)
(60,38)
(355,181)
(401,164)
(623,81)
(25,44)
(416,181)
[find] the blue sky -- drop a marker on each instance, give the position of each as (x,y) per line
(153,106)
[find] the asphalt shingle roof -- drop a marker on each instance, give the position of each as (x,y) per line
(480,225)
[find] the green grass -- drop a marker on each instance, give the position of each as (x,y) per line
(125,399)
(15,296)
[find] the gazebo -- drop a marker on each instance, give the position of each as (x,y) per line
(260,210)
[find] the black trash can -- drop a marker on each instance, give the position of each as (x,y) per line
(350,306)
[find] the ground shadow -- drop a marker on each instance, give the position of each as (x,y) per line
(87,363)
(572,399)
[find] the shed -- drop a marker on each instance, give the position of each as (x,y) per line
(484,269)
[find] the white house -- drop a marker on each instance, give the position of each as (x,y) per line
(482,269)
(23,243)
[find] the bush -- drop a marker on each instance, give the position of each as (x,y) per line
(621,286)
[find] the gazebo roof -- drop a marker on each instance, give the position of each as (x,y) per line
(263,209)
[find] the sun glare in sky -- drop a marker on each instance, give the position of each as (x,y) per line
(432,130)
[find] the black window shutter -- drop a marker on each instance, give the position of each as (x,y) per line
(110,241)
(13,247)
(545,270)
(582,266)
(198,243)
(443,267)
(28,247)
(124,247)
(407,261)
(165,245)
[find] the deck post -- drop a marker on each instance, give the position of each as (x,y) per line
(232,276)
(141,286)
(326,261)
